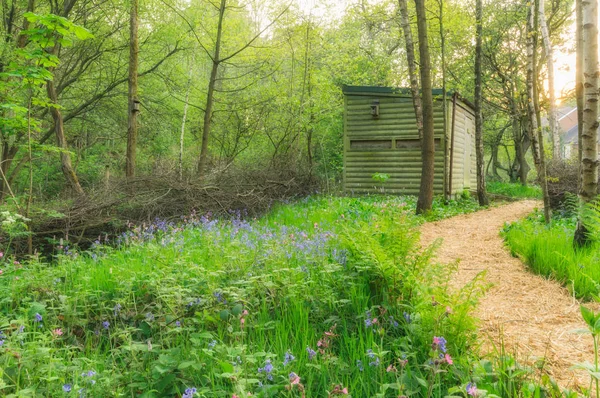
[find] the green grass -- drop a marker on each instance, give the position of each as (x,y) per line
(514,190)
(210,304)
(548,251)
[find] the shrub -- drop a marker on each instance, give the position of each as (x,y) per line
(514,190)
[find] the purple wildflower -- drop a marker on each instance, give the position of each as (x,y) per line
(472,389)
(189,392)
(288,358)
(311,353)
(117,309)
(106,325)
(212,344)
(439,343)
(407,317)
(38,317)
(359,365)
(66,387)
(267,369)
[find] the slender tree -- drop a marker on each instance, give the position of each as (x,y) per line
(589,138)
(481,189)
(133,108)
(59,129)
(184,119)
(532,118)
(552,111)
(412,65)
(579,83)
(210,92)
(425,199)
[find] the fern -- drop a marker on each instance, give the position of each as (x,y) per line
(590,216)
(570,205)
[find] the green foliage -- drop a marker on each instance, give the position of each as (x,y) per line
(380,177)
(549,251)
(514,190)
(208,303)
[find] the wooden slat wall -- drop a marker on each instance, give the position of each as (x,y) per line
(396,122)
(464,134)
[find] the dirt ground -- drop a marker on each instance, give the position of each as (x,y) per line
(534,316)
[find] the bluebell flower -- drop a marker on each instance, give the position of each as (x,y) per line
(439,343)
(368,319)
(359,365)
(189,392)
(117,309)
(106,325)
(370,353)
(212,344)
(288,358)
(267,369)
(393,322)
(375,362)
(311,353)
(178,324)
(66,387)
(38,317)
(149,317)
(407,317)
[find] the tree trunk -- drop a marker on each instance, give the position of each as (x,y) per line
(412,65)
(444,94)
(132,128)
(183,120)
(61,141)
(534,127)
(216,61)
(552,111)
(425,199)
(589,138)
(579,84)
(481,189)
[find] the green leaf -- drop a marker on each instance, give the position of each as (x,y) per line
(227,367)
(237,309)
(185,365)
(588,316)
(224,315)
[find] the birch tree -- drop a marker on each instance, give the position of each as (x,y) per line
(589,138)
(552,111)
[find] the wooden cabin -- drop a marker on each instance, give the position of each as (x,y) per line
(382,150)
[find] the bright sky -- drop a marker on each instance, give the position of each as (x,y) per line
(319,9)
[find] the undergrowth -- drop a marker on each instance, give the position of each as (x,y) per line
(514,190)
(326,297)
(548,250)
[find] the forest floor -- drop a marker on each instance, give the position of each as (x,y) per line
(534,317)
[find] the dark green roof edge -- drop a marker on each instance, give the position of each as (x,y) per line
(385,90)
(357,90)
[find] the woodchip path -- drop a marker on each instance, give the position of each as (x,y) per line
(534,316)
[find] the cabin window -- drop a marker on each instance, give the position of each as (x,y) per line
(370,144)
